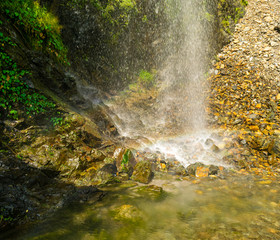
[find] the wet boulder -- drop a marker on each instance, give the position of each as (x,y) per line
(106,174)
(213,170)
(191,169)
(142,172)
(181,170)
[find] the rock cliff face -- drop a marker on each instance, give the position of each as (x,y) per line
(109,43)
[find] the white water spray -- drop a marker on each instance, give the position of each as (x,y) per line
(177,123)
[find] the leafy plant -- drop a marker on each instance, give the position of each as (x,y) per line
(15,93)
(125,159)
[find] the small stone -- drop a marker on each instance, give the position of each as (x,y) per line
(272,159)
(252,116)
(191,169)
(202,172)
(254,128)
(209,142)
(213,170)
(237,121)
(266,49)
(273,44)
(268,19)
(215,148)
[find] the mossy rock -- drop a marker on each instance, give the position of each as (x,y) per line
(142,172)
(151,192)
(127,213)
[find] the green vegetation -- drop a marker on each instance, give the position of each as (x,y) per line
(117,14)
(41,27)
(4,217)
(146,78)
(15,94)
(41,31)
(230,12)
(114,11)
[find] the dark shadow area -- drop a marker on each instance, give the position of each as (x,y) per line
(29,194)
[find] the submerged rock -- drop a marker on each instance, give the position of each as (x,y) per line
(127,213)
(152,192)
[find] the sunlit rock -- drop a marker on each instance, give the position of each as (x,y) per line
(142,172)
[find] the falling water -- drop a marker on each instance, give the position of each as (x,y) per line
(176,123)
(183,75)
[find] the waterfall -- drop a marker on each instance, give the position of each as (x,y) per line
(175,123)
(184,72)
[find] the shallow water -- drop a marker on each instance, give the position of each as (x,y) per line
(238,207)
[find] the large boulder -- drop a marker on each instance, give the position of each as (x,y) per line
(142,172)
(106,174)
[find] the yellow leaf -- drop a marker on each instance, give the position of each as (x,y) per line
(254,128)
(259,105)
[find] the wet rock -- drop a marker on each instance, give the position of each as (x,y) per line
(142,172)
(213,170)
(83,194)
(106,174)
(215,148)
(180,170)
(123,176)
(209,142)
(276,147)
(191,169)
(109,160)
(97,155)
(151,192)
(127,213)
(202,171)
(272,159)
(75,119)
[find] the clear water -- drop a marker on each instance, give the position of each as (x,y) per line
(239,207)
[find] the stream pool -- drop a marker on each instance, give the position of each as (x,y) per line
(236,207)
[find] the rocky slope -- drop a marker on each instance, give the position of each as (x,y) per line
(245,92)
